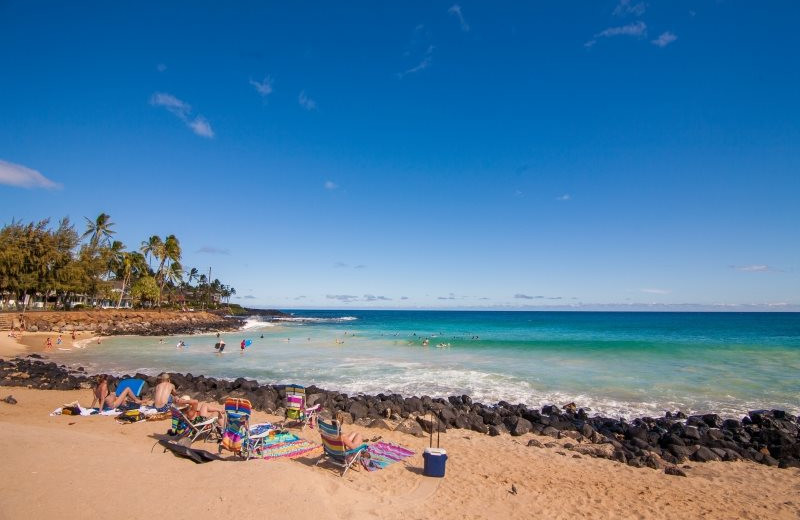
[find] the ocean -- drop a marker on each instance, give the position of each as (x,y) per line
(620,364)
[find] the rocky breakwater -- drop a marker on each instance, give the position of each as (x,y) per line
(143,323)
(769,437)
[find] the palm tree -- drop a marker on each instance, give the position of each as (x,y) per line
(99,230)
(192,274)
(171,251)
(150,247)
(132,263)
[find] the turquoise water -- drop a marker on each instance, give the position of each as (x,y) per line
(622,364)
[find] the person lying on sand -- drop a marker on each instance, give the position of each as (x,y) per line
(163,393)
(107,400)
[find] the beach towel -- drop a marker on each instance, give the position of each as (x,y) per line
(382,454)
(288,449)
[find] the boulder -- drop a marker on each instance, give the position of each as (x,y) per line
(379,423)
(411,427)
(601,451)
(535,443)
(521,427)
(359,410)
(704,454)
(676,472)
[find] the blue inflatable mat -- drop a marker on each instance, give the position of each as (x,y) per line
(136,386)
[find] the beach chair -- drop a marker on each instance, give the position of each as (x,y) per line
(185,428)
(334,449)
(296,409)
(238,437)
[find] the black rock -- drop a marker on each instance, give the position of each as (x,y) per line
(704,454)
(521,427)
(672,470)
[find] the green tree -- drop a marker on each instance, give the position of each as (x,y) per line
(145,290)
(99,230)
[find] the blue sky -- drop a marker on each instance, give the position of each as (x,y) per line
(594,154)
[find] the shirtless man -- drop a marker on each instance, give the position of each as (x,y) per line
(107,400)
(163,393)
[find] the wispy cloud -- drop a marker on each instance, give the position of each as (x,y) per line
(306,102)
(330,185)
(656,291)
(404,297)
(161,67)
(520,296)
(344,265)
(427,59)
(564,197)
(248,297)
(263,87)
(373,298)
(626,7)
(346,298)
(664,39)
(637,29)
(23,177)
(212,250)
(199,125)
(455,10)
(300,297)
(450,296)
(755,268)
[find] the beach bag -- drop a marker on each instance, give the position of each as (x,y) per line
(130,416)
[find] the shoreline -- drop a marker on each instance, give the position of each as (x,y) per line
(768,437)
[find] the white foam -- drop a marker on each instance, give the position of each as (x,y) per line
(308,319)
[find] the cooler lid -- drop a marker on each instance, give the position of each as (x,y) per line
(435,451)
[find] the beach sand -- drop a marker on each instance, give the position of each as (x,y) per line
(35,342)
(79,467)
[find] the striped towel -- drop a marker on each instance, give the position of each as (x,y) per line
(382,454)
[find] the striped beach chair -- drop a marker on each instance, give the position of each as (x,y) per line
(296,410)
(334,450)
(185,428)
(239,436)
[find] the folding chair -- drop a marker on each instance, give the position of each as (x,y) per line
(185,428)
(296,410)
(334,449)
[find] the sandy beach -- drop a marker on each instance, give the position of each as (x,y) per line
(78,467)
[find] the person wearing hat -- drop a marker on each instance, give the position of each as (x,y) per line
(163,393)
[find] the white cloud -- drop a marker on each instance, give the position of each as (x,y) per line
(23,177)
(625,7)
(424,64)
(213,250)
(306,102)
(346,298)
(656,291)
(455,10)
(632,29)
(564,197)
(171,103)
(199,125)
(330,185)
(754,268)
(664,39)
(263,87)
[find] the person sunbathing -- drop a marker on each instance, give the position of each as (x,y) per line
(163,393)
(350,440)
(107,400)
(198,412)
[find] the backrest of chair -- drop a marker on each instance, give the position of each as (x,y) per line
(238,406)
(295,396)
(135,384)
(331,435)
(179,421)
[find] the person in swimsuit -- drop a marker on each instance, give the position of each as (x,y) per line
(107,400)
(163,393)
